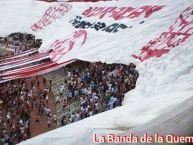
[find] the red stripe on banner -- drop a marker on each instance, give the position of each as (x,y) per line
(53,66)
(33,69)
(23,64)
(26,69)
(29,58)
(19,55)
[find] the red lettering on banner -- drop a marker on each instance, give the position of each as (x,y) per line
(151,10)
(50,15)
(138,12)
(121,13)
(61,47)
(96,11)
(87,11)
(178,33)
(107,10)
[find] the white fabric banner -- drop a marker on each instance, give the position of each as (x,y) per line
(155,34)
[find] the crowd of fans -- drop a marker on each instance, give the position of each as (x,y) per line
(19,42)
(19,101)
(97,86)
(19,98)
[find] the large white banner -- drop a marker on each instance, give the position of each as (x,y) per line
(112,32)
(155,34)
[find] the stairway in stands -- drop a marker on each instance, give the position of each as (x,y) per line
(58,78)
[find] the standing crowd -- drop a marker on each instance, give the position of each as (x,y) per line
(20,42)
(97,86)
(20,98)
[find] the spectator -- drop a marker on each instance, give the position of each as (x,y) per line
(99,87)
